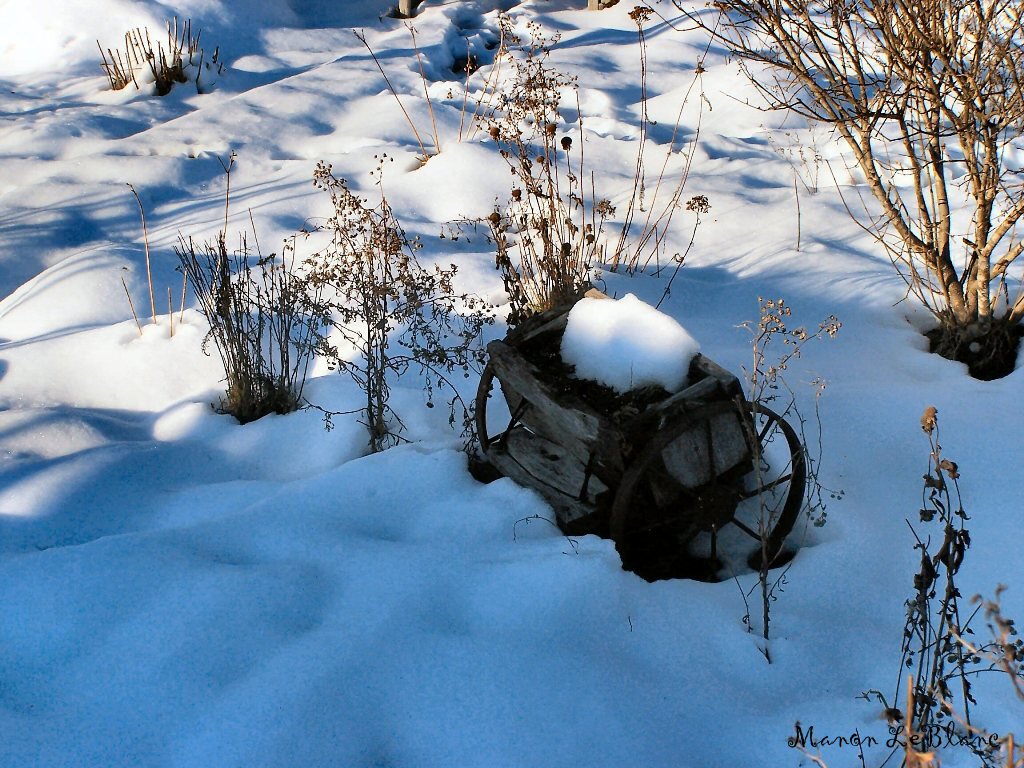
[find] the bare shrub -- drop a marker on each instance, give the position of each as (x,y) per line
(259,316)
(396,314)
(928,97)
(168,66)
(550,233)
(775,344)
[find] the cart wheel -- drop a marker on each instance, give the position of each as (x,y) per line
(773,493)
(483,393)
(767,499)
(480,466)
(654,517)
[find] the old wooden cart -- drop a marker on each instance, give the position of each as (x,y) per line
(665,478)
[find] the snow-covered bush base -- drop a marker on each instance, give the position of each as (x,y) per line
(627,344)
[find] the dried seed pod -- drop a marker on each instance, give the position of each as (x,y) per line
(928,420)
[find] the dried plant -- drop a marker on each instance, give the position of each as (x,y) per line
(767,386)
(396,314)
(481,104)
(260,319)
(1004,653)
(658,198)
(930,648)
(550,233)
(168,66)
(547,235)
(149,267)
(936,666)
(149,278)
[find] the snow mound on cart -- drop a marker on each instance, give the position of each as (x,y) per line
(627,344)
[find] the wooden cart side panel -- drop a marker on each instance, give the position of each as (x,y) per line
(561,418)
(704,366)
(711,383)
(536,463)
(708,450)
(668,412)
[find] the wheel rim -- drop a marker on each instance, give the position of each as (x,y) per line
(778,494)
(623,517)
(483,394)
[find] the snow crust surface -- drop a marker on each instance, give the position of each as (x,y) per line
(627,344)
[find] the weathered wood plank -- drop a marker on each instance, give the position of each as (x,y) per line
(675,412)
(711,383)
(536,463)
(714,445)
(559,416)
(705,366)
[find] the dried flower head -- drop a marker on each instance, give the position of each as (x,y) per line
(640,14)
(928,419)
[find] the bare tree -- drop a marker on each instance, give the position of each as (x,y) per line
(927,94)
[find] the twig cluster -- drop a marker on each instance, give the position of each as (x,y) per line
(260,323)
(167,66)
(1005,653)
(393,312)
(767,384)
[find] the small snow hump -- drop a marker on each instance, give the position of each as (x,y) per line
(627,344)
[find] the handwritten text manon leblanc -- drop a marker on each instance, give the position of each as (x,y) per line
(933,737)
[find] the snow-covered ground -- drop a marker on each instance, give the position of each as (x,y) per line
(179,590)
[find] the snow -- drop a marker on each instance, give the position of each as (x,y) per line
(180,590)
(627,344)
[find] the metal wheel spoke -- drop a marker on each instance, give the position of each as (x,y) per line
(766,487)
(769,423)
(746,529)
